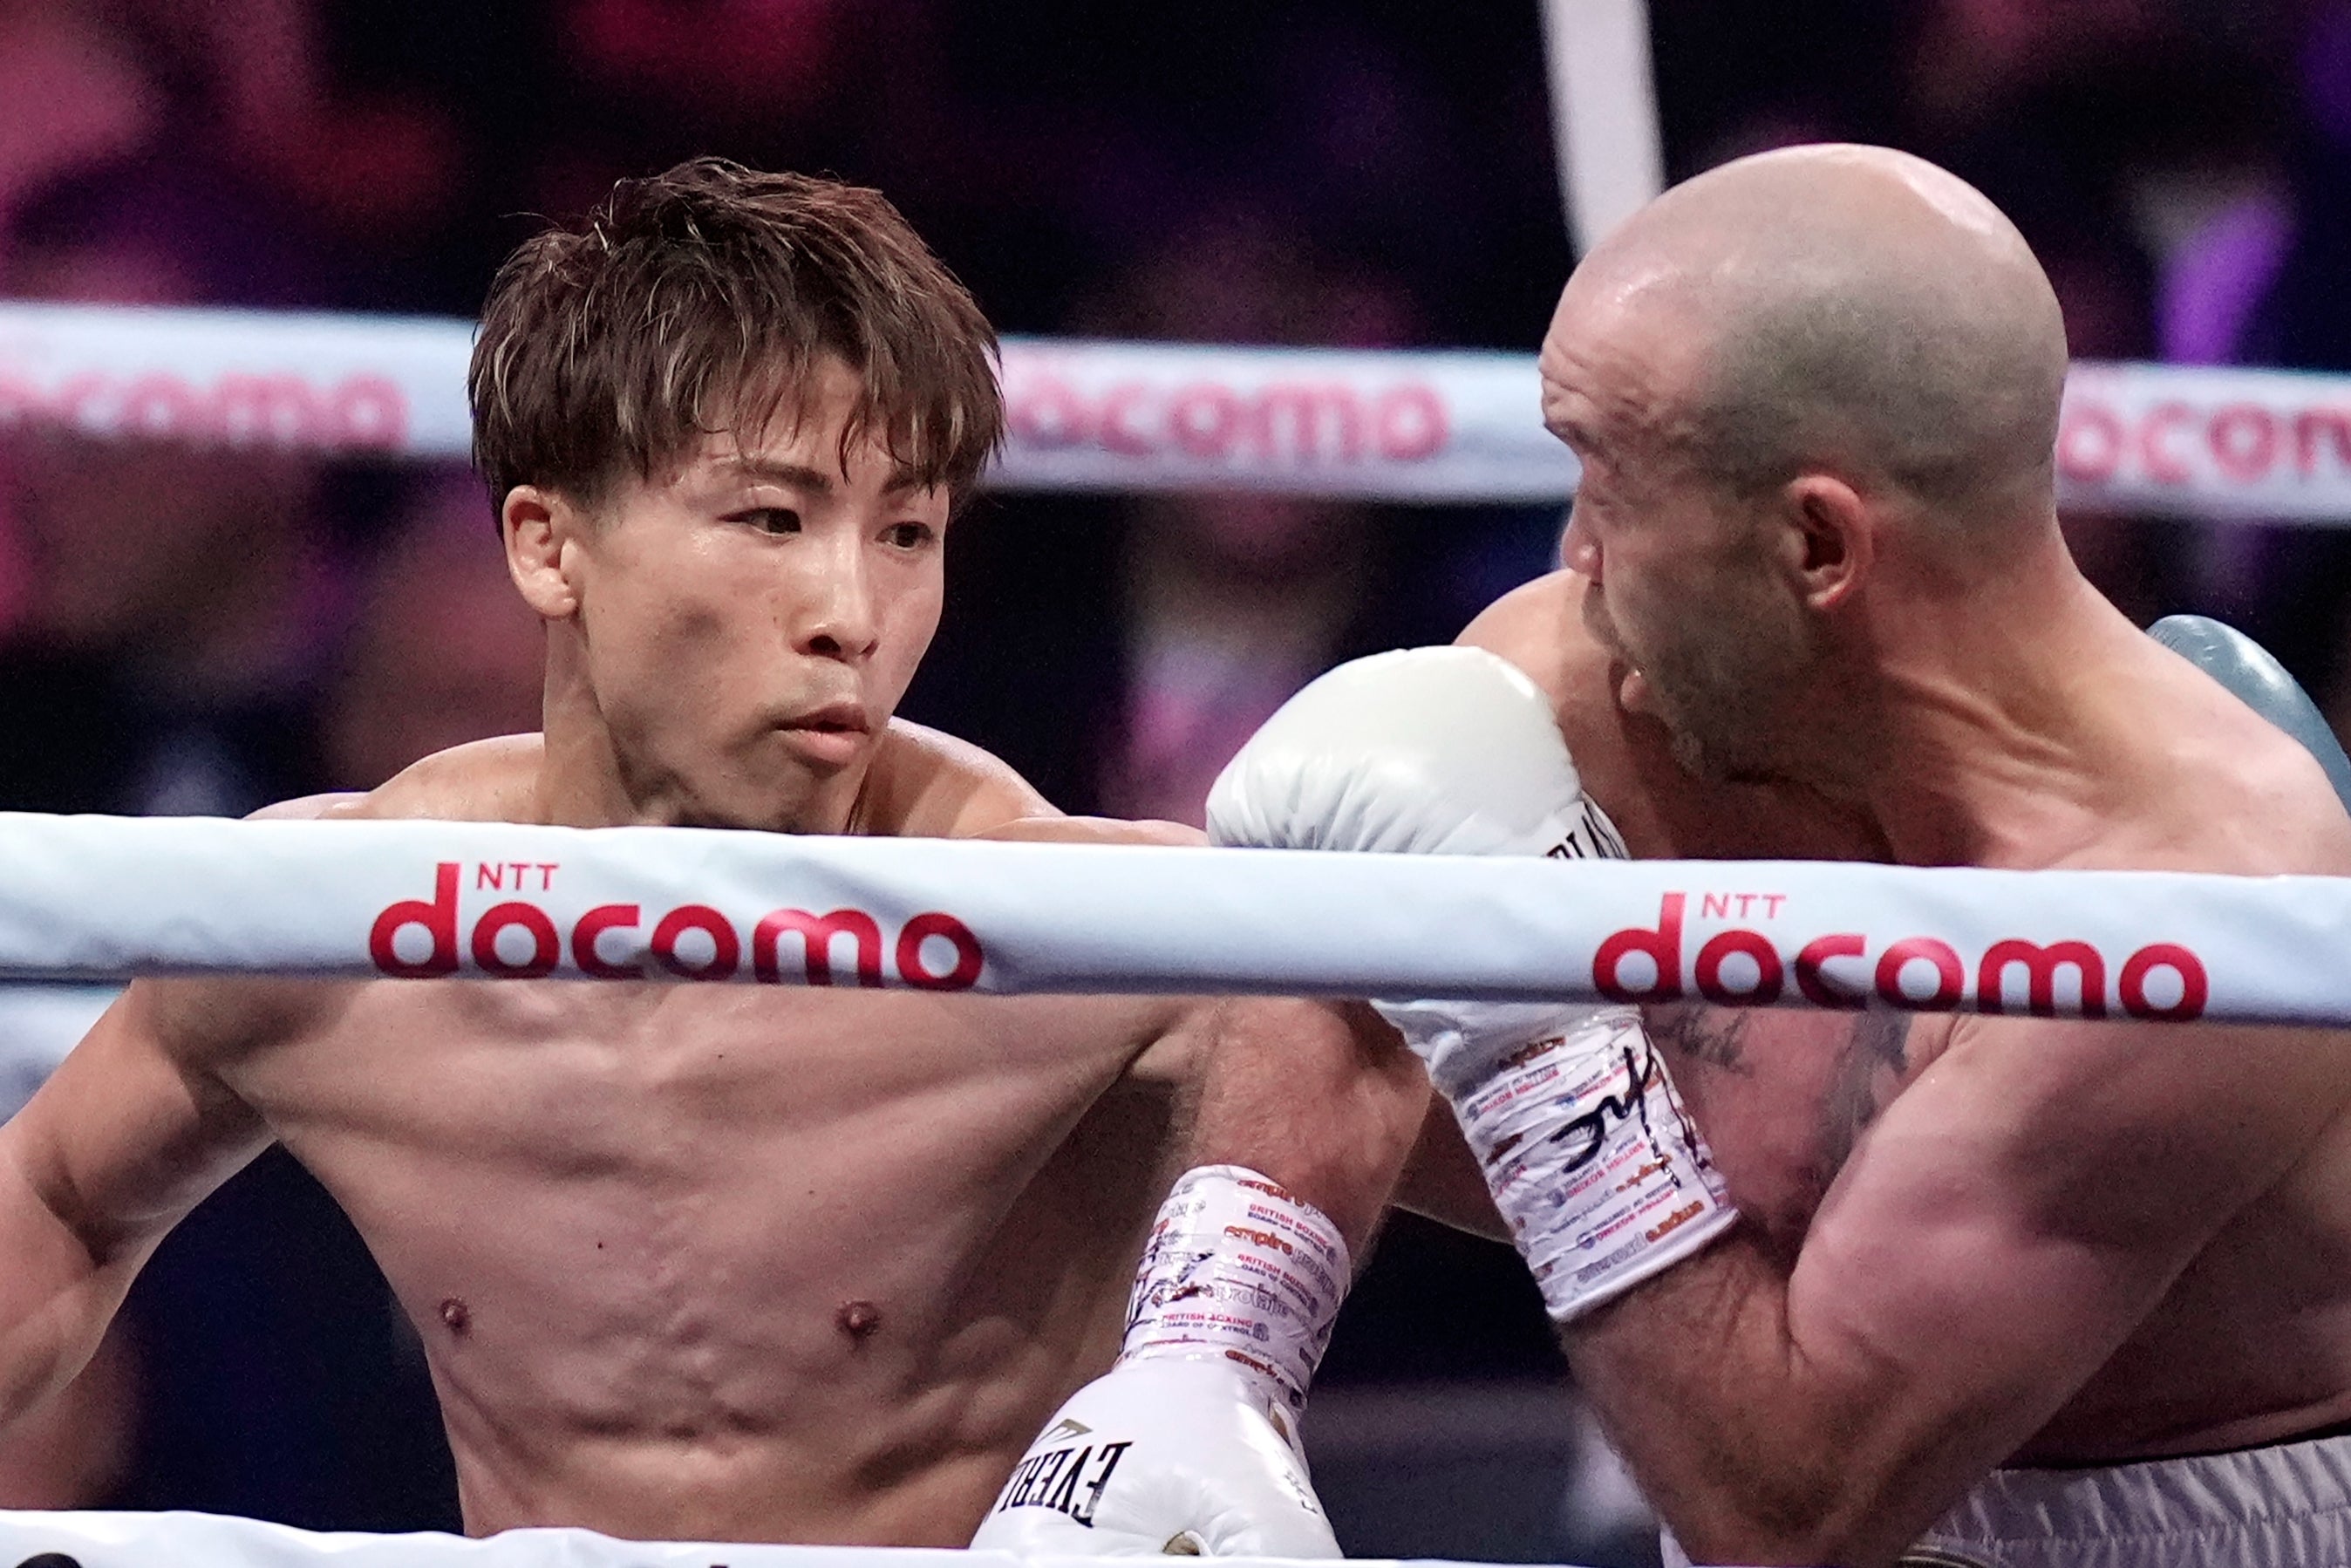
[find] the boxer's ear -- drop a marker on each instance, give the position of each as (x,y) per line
(536,525)
(1833,539)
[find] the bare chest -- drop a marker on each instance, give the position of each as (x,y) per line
(635,1197)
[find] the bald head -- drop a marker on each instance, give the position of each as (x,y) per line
(1850,307)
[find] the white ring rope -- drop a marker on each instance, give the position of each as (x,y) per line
(1421,426)
(99,1540)
(88,897)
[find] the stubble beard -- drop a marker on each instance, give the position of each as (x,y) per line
(1717,690)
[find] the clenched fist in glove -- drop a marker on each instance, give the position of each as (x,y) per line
(1189,1445)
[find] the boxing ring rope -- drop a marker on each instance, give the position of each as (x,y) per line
(102,1539)
(90,897)
(1399,425)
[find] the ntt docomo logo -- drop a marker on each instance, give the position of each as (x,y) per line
(1740,966)
(417,938)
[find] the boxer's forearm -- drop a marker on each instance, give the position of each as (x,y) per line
(55,1297)
(1320,1097)
(1442,1181)
(1748,1448)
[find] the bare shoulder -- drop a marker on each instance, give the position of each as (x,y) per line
(2231,791)
(927,784)
(494,780)
(483,781)
(2281,812)
(214,1020)
(1539,627)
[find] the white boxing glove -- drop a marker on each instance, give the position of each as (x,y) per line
(1189,1445)
(1592,1160)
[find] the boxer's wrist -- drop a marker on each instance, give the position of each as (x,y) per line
(1239,1268)
(1592,1160)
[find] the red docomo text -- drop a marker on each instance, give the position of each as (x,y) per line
(1739,966)
(363,412)
(2177,443)
(1294,423)
(516,939)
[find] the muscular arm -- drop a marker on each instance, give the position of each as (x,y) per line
(132,1131)
(1321,1096)
(1995,1236)
(1441,1180)
(122,1141)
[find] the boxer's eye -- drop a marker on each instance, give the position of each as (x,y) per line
(769,519)
(908,536)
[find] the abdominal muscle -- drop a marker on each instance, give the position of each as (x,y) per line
(726,1264)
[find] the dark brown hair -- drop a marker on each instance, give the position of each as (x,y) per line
(702,301)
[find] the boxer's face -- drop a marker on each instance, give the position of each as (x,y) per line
(751,618)
(1680,584)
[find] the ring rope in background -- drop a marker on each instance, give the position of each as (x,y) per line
(1404,425)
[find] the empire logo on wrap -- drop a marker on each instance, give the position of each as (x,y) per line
(1740,966)
(516,938)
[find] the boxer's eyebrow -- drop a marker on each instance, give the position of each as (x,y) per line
(799,476)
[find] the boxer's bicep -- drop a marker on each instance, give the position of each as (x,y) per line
(124,1138)
(135,1126)
(2017,1212)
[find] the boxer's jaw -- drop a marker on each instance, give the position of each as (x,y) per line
(744,625)
(1681,588)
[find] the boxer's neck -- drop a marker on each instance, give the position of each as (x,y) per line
(1991,737)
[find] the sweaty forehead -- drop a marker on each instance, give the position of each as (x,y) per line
(1620,359)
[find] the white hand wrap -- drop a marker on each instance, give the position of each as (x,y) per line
(1238,1268)
(1592,1162)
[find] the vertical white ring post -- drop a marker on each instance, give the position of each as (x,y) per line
(1604,112)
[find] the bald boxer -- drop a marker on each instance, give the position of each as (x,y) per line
(1990,1290)
(718,1262)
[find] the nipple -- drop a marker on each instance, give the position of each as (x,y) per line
(457,1314)
(858,1319)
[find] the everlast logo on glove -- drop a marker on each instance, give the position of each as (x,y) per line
(1060,1479)
(1739,966)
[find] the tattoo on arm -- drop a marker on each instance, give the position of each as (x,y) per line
(1875,1056)
(1711,1037)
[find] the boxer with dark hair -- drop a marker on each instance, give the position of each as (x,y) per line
(708,1262)
(2034,1291)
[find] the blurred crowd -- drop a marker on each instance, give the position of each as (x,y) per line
(188,630)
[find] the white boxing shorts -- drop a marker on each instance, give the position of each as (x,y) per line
(2288,1506)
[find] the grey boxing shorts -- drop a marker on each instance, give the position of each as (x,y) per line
(2287,1506)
